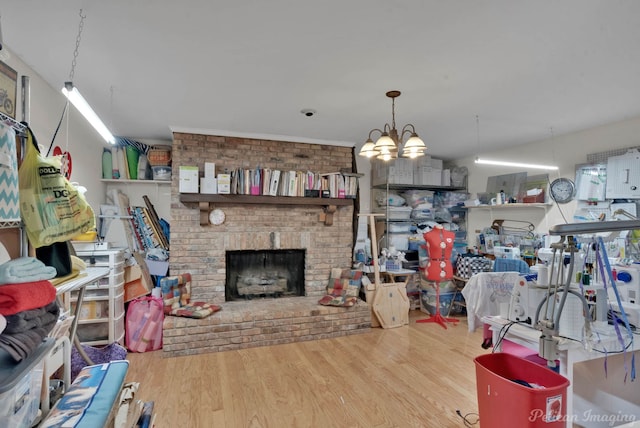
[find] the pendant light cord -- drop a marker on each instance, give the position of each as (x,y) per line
(71,74)
(55,133)
(75,52)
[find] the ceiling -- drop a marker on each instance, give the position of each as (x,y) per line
(525,69)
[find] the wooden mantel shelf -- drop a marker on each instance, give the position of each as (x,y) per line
(251,199)
(205,200)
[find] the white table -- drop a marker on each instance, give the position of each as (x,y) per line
(79,283)
(581,391)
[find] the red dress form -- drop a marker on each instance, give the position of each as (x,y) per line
(439,268)
(439,247)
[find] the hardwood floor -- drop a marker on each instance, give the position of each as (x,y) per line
(412,376)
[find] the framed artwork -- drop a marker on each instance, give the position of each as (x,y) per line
(8,90)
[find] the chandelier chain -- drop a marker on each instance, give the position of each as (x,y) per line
(78,39)
(478,133)
(393,113)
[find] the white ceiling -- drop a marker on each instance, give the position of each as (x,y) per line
(525,68)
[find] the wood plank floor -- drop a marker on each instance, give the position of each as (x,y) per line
(412,376)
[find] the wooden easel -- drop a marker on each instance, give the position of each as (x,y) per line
(388,303)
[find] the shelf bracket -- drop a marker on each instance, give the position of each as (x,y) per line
(327,215)
(204,212)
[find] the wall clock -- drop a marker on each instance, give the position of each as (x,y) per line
(216,217)
(562,190)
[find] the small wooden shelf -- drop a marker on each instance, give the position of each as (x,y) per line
(206,200)
(419,187)
(260,199)
(125,181)
(510,206)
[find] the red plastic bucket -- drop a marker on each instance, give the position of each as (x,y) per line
(503,402)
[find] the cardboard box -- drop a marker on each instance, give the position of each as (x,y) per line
(134,284)
(446,177)
(224,183)
(188,179)
(209,170)
(436,163)
(208,185)
(427,176)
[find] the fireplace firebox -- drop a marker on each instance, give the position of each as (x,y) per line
(264,273)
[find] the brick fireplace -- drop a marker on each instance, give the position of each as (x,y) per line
(201,249)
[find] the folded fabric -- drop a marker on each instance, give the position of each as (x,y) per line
(21,345)
(510,265)
(3,323)
(16,298)
(25,269)
(27,320)
(196,310)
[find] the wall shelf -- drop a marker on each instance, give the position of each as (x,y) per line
(206,200)
(418,187)
(510,206)
(124,181)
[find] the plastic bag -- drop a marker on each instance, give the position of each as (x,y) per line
(51,208)
(143,332)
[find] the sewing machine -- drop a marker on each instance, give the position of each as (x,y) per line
(629,282)
(525,299)
(527,296)
(632,311)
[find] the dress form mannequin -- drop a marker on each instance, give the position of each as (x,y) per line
(439,247)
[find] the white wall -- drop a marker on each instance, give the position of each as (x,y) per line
(565,151)
(75,135)
(82,141)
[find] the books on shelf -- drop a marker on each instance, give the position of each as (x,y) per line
(293,183)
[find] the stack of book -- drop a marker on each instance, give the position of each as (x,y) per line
(274,182)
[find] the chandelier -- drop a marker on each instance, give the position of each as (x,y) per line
(390,141)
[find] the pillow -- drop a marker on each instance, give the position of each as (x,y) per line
(176,291)
(343,288)
(196,310)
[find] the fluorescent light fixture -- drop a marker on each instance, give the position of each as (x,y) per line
(516,164)
(73,95)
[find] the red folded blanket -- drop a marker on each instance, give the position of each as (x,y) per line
(25,296)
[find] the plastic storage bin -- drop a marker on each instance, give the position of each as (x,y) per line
(20,386)
(399,213)
(503,401)
(428,302)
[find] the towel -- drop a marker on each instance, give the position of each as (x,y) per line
(21,345)
(16,298)
(25,269)
(32,318)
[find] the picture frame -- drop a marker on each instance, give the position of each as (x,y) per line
(8,90)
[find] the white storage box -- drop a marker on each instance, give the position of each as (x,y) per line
(20,388)
(399,213)
(403,227)
(400,241)
(189,181)
(115,277)
(108,258)
(90,332)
